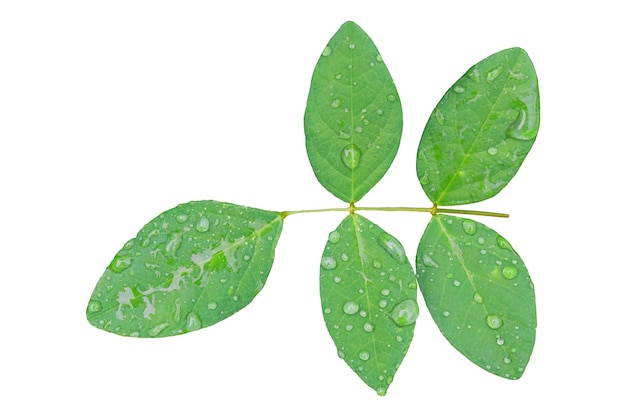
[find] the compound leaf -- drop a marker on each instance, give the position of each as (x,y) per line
(353,117)
(480,132)
(368,292)
(189,268)
(479,293)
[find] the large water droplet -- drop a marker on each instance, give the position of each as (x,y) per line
(503,243)
(328,262)
(327,51)
(351,156)
(405,313)
(193,322)
(494,322)
(94,306)
(351,307)
(526,126)
(120,263)
(334,236)
(392,247)
(509,272)
(469,226)
(429,261)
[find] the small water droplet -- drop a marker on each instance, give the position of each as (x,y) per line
(391,98)
(337,280)
(364,355)
(350,307)
(94,306)
(456,283)
(193,322)
(494,322)
(446,313)
(327,310)
(503,243)
(478,299)
(385,291)
(493,73)
(376,263)
(507,360)
(181,218)
(440,117)
(499,341)
(327,51)
(335,103)
(344,257)
(509,272)
(368,327)
(392,247)
(338,76)
(328,262)
(379,58)
(429,261)
(469,226)
(351,156)
(382,391)
(405,313)
(341,354)
(382,303)
(334,236)
(459,89)
(203,225)
(352,46)
(154,331)
(481,240)
(492,151)
(212,305)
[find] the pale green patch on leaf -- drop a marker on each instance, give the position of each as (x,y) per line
(353,118)
(368,292)
(479,293)
(480,132)
(189,268)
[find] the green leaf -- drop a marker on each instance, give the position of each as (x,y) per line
(353,118)
(189,268)
(368,293)
(479,293)
(480,132)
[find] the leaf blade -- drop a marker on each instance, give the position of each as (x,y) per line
(189,268)
(480,132)
(353,116)
(368,294)
(479,293)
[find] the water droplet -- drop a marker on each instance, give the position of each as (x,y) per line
(429,261)
(456,283)
(363,313)
(157,329)
(212,305)
(338,76)
(385,292)
(392,247)
(335,103)
(493,73)
(368,327)
(446,313)
(391,98)
(181,218)
(376,263)
(382,303)
(94,306)
(499,341)
(337,280)
(351,307)
(341,354)
(203,225)
(351,156)
(344,257)
(440,117)
(352,46)
(526,125)
(349,327)
(364,355)
(328,262)
(327,310)
(459,89)
(193,322)
(382,391)
(507,360)
(405,313)
(478,299)
(327,51)
(509,272)
(494,322)
(481,240)
(379,58)
(469,226)
(492,151)
(120,263)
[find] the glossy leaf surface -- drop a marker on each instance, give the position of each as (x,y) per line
(353,118)
(479,293)
(480,132)
(189,268)
(368,292)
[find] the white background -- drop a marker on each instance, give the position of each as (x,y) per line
(112,112)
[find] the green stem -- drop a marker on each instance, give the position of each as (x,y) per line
(432,210)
